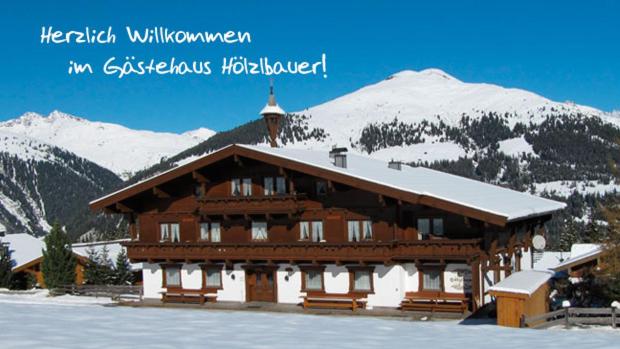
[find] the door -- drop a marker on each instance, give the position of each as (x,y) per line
(260,285)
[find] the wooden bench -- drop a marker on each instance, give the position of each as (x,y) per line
(435,302)
(334,301)
(188,296)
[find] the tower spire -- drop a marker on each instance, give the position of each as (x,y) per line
(272,114)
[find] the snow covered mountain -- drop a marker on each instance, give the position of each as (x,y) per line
(428,97)
(41,184)
(117,148)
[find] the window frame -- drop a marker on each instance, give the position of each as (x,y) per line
(219,269)
(266,231)
(169,225)
(236,183)
(370,270)
(316,187)
(304,270)
(164,278)
(280,180)
(431,226)
(424,270)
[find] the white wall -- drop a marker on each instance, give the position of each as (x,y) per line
(191,277)
(457,278)
(289,284)
(151,280)
(411,277)
(389,286)
(233,285)
(336,279)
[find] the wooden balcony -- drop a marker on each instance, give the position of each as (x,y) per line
(248,205)
(304,252)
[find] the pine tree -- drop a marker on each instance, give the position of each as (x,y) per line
(98,269)
(608,270)
(124,276)
(58,264)
(6,266)
(91,269)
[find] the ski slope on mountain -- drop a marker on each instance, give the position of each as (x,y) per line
(117,148)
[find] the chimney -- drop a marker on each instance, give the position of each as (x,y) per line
(339,155)
(395,165)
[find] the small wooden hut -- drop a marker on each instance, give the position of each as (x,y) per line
(522,293)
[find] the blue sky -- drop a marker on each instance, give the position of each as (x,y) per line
(564,50)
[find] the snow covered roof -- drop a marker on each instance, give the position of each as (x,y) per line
(580,253)
(504,202)
(523,282)
(114,248)
(272,109)
(509,205)
(24,248)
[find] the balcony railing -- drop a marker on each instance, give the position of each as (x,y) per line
(259,204)
(306,251)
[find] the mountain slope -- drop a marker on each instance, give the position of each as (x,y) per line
(112,146)
(41,184)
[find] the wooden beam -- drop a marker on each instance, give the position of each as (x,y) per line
(160,193)
(123,208)
(237,160)
(199,177)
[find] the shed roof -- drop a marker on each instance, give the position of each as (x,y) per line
(522,282)
(580,254)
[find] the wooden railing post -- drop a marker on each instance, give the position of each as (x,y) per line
(566,317)
(613,317)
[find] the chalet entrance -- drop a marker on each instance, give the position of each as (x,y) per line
(260,284)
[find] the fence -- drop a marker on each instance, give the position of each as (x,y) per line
(116,292)
(573,316)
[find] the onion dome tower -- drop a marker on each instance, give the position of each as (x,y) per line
(272,113)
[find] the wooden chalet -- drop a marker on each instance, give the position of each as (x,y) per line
(323,228)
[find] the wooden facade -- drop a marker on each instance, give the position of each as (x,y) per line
(241,207)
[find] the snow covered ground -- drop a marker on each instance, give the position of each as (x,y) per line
(75,322)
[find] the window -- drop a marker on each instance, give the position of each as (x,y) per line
(362,280)
(235,187)
(137,236)
(210,231)
(199,191)
(354,230)
(304,230)
(317,231)
(204,231)
(431,280)
(321,188)
(247,186)
(313,280)
(367,230)
(437,226)
(172,276)
(164,232)
(259,230)
(280,185)
(428,226)
(424,227)
(169,232)
(213,277)
(176,233)
(216,235)
(268,185)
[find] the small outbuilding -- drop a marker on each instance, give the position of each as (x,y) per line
(522,293)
